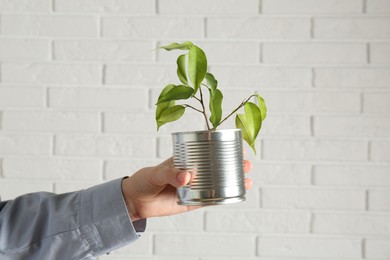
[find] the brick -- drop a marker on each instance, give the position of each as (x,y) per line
(146,123)
(258,221)
(219,52)
(261,77)
(103,50)
(204,245)
(164,147)
(105,146)
(288,101)
(313,198)
(95,6)
(22,97)
(10,189)
(376,102)
(264,174)
(98,98)
(378,200)
(49,121)
(352,77)
(71,186)
(204,7)
(281,125)
(51,73)
(258,28)
(378,6)
(25,6)
(135,75)
(52,169)
(380,53)
(49,25)
(377,248)
(315,149)
(352,223)
(152,27)
(380,151)
(311,7)
(130,123)
(351,175)
(25,144)
(309,246)
(307,53)
(189,222)
(351,28)
(24,49)
(120,168)
(361,126)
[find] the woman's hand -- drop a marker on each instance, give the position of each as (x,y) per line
(151,191)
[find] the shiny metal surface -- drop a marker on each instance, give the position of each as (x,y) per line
(215,159)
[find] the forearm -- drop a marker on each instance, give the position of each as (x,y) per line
(84,223)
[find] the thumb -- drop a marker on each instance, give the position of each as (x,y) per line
(172,176)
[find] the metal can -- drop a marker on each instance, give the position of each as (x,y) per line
(215,160)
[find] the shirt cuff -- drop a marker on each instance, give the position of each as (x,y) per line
(104,220)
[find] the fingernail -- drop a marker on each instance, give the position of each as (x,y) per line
(181,177)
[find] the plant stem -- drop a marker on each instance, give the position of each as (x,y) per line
(204,109)
(198,110)
(235,110)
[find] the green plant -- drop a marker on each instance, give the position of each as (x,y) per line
(192,73)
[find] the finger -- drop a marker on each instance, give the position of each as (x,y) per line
(162,176)
(248,183)
(247,166)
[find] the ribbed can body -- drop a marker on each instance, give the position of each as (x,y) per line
(215,160)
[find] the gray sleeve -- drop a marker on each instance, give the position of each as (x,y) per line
(77,225)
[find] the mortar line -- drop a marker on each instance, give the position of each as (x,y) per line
(364,7)
(156,7)
(102,119)
(311,28)
(1,168)
(52,6)
(313,77)
(47,101)
(205,27)
(312,132)
(260,9)
(261,53)
(367,199)
(312,178)
(311,223)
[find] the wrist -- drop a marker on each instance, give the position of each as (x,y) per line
(130,205)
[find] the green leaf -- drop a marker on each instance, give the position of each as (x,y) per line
(178,46)
(212,82)
(216,107)
(249,123)
(170,114)
(176,93)
(182,69)
(262,107)
(162,106)
(197,66)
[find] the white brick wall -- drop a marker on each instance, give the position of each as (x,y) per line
(78,83)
